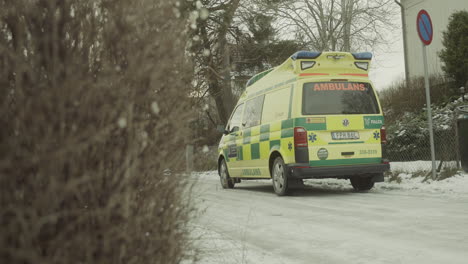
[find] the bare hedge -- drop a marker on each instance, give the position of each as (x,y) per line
(410,96)
(93,98)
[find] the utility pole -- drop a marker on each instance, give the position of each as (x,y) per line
(405,43)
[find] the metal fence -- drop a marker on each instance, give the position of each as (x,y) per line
(412,154)
(409,151)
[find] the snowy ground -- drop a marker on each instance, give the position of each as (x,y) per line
(327,222)
(419,165)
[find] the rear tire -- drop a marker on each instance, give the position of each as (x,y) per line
(279,175)
(226,181)
(362,183)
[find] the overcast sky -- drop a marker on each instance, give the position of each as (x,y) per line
(388,64)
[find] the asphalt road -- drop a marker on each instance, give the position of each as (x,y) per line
(250,224)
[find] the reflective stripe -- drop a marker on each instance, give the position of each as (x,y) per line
(288,123)
(336,162)
(313,74)
(290,101)
(355,74)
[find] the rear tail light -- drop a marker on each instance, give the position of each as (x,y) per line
(300,137)
(383,135)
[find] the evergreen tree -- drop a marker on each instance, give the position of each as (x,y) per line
(455,52)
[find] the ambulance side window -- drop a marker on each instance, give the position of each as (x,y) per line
(235,122)
(276,106)
(253,112)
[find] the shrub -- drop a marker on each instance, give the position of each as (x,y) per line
(408,138)
(206,158)
(393,176)
(404,106)
(447,172)
(92,92)
(410,96)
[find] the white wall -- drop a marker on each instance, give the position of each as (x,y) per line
(440,11)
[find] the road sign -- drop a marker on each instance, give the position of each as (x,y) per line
(424,26)
(426,32)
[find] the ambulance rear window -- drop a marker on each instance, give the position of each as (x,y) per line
(330,98)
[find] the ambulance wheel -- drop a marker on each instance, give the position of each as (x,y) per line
(362,183)
(279,175)
(226,181)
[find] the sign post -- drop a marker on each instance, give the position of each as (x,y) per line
(426,32)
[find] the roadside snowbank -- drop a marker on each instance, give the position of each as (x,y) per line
(419,165)
(457,184)
(453,186)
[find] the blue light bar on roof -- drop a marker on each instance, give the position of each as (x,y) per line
(305,55)
(362,55)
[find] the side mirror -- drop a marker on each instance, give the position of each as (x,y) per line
(234,129)
(221,129)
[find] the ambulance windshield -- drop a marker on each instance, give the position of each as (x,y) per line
(321,98)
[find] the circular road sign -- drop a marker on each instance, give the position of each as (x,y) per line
(424,26)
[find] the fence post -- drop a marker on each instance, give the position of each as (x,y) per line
(189,149)
(457,151)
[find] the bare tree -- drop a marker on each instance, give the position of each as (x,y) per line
(210,51)
(343,25)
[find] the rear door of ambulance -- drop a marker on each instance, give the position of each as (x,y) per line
(343,120)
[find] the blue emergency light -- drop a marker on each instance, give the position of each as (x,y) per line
(362,55)
(305,55)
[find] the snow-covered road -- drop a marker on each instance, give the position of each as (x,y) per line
(328,223)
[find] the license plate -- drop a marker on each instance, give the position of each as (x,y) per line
(345,135)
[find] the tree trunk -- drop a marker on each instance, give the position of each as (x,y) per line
(347,15)
(226,104)
(226,87)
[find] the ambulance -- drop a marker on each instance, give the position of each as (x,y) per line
(315,116)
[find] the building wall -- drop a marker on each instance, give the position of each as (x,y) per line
(440,11)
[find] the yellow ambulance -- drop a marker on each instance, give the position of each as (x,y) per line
(314,116)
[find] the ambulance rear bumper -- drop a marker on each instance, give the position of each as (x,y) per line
(304,171)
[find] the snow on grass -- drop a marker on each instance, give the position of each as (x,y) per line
(457,184)
(418,165)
